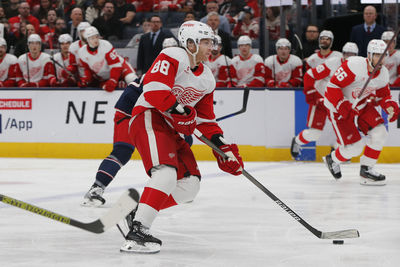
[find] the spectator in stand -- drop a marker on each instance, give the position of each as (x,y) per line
(249,67)
(246,25)
(3,15)
(47,30)
(363,33)
(311,44)
(283,69)
(189,16)
(8,65)
(76,18)
(221,66)
(35,68)
(392,60)
(41,11)
(253,4)
(102,66)
(212,6)
(167,5)
(124,12)
(273,23)
(188,6)
(64,9)
(213,22)
(150,44)
(230,8)
(146,27)
(94,10)
(63,76)
(143,5)
(21,45)
(24,15)
(12,9)
(109,27)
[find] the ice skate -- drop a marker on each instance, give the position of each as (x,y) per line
(333,167)
(94,197)
(139,240)
(295,148)
(130,218)
(368,176)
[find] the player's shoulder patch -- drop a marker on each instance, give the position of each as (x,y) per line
(257,58)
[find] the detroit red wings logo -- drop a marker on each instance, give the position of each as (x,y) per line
(2,73)
(187,95)
(367,91)
(33,73)
(98,65)
(282,75)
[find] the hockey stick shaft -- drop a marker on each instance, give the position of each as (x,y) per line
(124,205)
(61,66)
(352,233)
(375,68)
(246,92)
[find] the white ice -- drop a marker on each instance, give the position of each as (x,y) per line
(230,223)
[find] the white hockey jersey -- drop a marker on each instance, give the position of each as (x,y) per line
(289,71)
(223,71)
(8,67)
(40,69)
(322,73)
(317,58)
(349,79)
(250,71)
(103,64)
(171,79)
(60,72)
(392,63)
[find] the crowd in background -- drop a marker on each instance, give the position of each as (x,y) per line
(146,24)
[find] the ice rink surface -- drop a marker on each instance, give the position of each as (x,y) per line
(230,223)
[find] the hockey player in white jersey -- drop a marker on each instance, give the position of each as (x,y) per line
(74,67)
(342,93)
(315,81)
(221,66)
(8,65)
(177,98)
(102,66)
(249,67)
(283,69)
(61,62)
(392,61)
(35,68)
(325,40)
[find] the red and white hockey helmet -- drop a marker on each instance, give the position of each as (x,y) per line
(34,38)
(243,40)
(350,47)
(3,42)
(81,27)
(376,46)
(65,38)
(388,35)
(327,34)
(195,31)
(169,42)
(283,42)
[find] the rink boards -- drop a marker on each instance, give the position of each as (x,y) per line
(78,123)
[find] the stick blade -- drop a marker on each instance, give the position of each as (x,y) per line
(351,233)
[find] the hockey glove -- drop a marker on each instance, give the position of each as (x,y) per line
(345,109)
(313,97)
(284,85)
(234,164)
(271,83)
(110,85)
(392,109)
(83,82)
(53,82)
(184,122)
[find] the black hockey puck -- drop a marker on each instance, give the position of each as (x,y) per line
(338,242)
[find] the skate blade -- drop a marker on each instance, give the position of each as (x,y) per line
(91,203)
(133,247)
(369,182)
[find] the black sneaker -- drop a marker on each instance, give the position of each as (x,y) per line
(333,167)
(295,148)
(139,240)
(368,176)
(94,197)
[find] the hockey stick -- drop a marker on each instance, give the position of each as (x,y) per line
(119,210)
(61,66)
(375,69)
(246,92)
(351,233)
